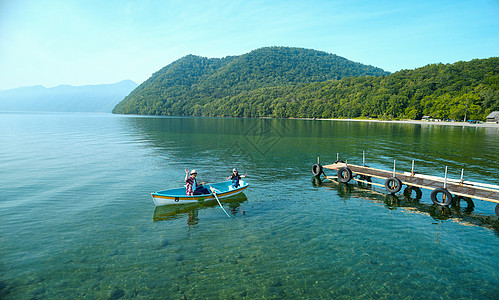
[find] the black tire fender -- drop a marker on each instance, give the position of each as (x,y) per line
(344,174)
(365,178)
(456,201)
(408,192)
(393,184)
(446,194)
(316,181)
(317,170)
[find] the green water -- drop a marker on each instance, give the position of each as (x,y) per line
(77,219)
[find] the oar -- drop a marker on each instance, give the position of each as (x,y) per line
(215,194)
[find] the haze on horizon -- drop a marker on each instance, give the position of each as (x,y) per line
(57,42)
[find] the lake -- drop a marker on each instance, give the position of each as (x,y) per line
(77,219)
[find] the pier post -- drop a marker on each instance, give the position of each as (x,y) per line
(445,178)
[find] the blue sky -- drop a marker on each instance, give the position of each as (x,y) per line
(54,42)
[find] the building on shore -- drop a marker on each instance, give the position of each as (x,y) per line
(493,117)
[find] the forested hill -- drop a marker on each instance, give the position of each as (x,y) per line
(276,82)
(443,91)
(188,84)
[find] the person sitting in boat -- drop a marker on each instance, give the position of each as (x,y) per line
(192,187)
(235,177)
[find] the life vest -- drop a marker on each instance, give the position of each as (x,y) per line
(235,180)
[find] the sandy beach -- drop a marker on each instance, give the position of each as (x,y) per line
(429,123)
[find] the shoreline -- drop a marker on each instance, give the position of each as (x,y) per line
(420,122)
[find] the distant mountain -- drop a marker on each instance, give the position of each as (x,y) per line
(184,86)
(66,98)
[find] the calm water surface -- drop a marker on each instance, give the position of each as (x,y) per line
(77,219)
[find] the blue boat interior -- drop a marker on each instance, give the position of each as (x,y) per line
(221,187)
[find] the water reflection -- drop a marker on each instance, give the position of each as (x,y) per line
(257,141)
(410,202)
(191,210)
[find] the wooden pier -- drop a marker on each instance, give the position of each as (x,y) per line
(444,190)
(411,204)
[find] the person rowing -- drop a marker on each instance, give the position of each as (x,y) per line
(192,187)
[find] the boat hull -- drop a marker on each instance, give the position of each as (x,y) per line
(174,196)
